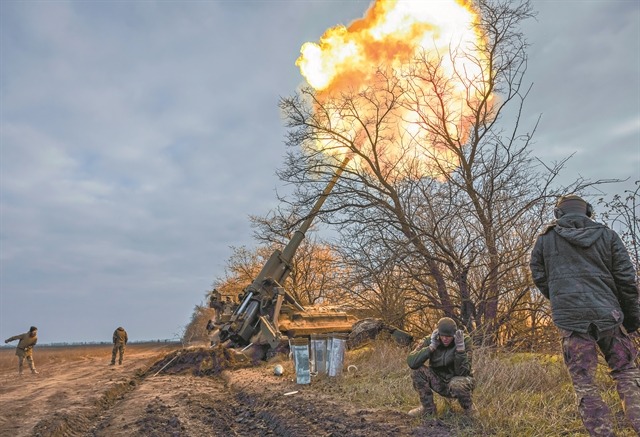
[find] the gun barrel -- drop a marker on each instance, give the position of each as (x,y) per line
(276,268)
(290,249)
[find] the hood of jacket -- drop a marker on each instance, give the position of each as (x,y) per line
(578,229)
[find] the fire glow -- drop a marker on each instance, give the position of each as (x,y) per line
(394,33)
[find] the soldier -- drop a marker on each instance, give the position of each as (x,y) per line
(583,268)
(215,302)
(120,339)
(448,351)
(24,350)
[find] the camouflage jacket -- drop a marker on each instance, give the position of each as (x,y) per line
(445,361)
(120,336)
(26,343)
(585,270)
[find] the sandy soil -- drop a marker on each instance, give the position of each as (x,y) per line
(194,394)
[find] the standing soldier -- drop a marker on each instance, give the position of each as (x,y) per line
(448,351)
(120,339)
(24,350)
(215,302)
(583,268)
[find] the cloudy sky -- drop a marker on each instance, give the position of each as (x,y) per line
(136,137)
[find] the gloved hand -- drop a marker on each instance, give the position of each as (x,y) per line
(459,340)
(435,340)
(6,341)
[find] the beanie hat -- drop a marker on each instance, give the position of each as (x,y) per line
(447,327)
(33,328)
(572,204)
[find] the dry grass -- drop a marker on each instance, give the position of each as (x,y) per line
(516,394)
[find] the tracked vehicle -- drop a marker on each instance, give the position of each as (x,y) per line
(268,316)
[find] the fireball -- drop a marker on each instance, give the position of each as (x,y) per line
(426,124)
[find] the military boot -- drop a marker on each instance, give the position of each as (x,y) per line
(471,411)
(468,407)
(417,411)
(422,411)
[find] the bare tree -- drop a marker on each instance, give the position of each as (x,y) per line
(621,214)
(314,278)
(374,280)
(450,209)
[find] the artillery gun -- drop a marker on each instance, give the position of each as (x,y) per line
(268,315)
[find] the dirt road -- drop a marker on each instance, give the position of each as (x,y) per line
(79,394)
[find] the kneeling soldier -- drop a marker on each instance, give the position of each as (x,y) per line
(448,372)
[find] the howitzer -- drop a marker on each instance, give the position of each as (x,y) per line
(255,320)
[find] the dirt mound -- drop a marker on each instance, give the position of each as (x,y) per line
(199,362)
(62,424)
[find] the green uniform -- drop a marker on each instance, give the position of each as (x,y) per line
(448,373)
(120,339)
(24,350)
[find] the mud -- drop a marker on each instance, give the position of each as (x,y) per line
(199,392)
(199,362)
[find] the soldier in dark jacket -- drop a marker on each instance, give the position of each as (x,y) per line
(448,372)
(583,268)
(24,350)
(120,339)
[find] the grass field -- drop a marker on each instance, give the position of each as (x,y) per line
(516,394)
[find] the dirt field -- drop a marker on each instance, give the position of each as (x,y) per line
(77,393)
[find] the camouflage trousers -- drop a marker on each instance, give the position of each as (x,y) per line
(581,358)
(426,381)
(28,356)
(118,348)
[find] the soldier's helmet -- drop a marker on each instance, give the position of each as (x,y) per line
(447,327)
